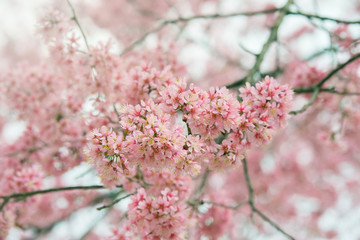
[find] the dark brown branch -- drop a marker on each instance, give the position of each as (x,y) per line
(316,92)
(306,106)
(252,203)
(242,81)
(116,201)
(235,207)
(316,88)
(337,69)
(328,90)
(332,90)
(203,182)
(272,223)
(195,201)
(327,77)
(143,37)
(178,20)
(313,16)
(217,16)
(249,185)
(93,225)
(270,40)
(237,83)
(24,195)
(321,52)
(44,230)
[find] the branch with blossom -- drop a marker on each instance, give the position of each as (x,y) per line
(159,127)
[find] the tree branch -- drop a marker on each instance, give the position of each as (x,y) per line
(78,24)
(313,16)
(311,101)
(270,40)
(328,90)
(316,88)
(217,16)
(249,185)
(338,68)
(203,182)
(235,207)
(24,195)
(252,203)
(116,201)
(332,90)
(242,81)
(272,223)
(178,20)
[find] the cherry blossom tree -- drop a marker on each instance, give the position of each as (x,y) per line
(201,119)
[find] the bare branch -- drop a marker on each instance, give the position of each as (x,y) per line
(328,90)
(270,40)
(178,20)
(332,90)
(217,16)
(24,195)
(337,69)
(116,201)
(235,207)
(203,182)
(252,203)
(249,185)
(316,88)
(306,106)
(313,16)
(272,223)
(143,37)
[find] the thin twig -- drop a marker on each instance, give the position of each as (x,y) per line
(116,201)
(332,90)
(311,101)
(28,194)
(24,195)
(143,37)
(235,207)
(272,223)
(252,203)
(327,77)
(323,18)
(195,201)
(93,225)
(321,52)
(270,40)
(316,88)
(217,16)
(249,185)
(328,90)
(338,68)
(242,81)
(44,230)
(116,112)
(78,24)
(203,182)
(188,19)
(3,204)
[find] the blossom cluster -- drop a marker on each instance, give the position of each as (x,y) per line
(20,178)
(180,130)
(161,217)
(172,135)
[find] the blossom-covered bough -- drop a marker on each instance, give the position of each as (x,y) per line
(193,160)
